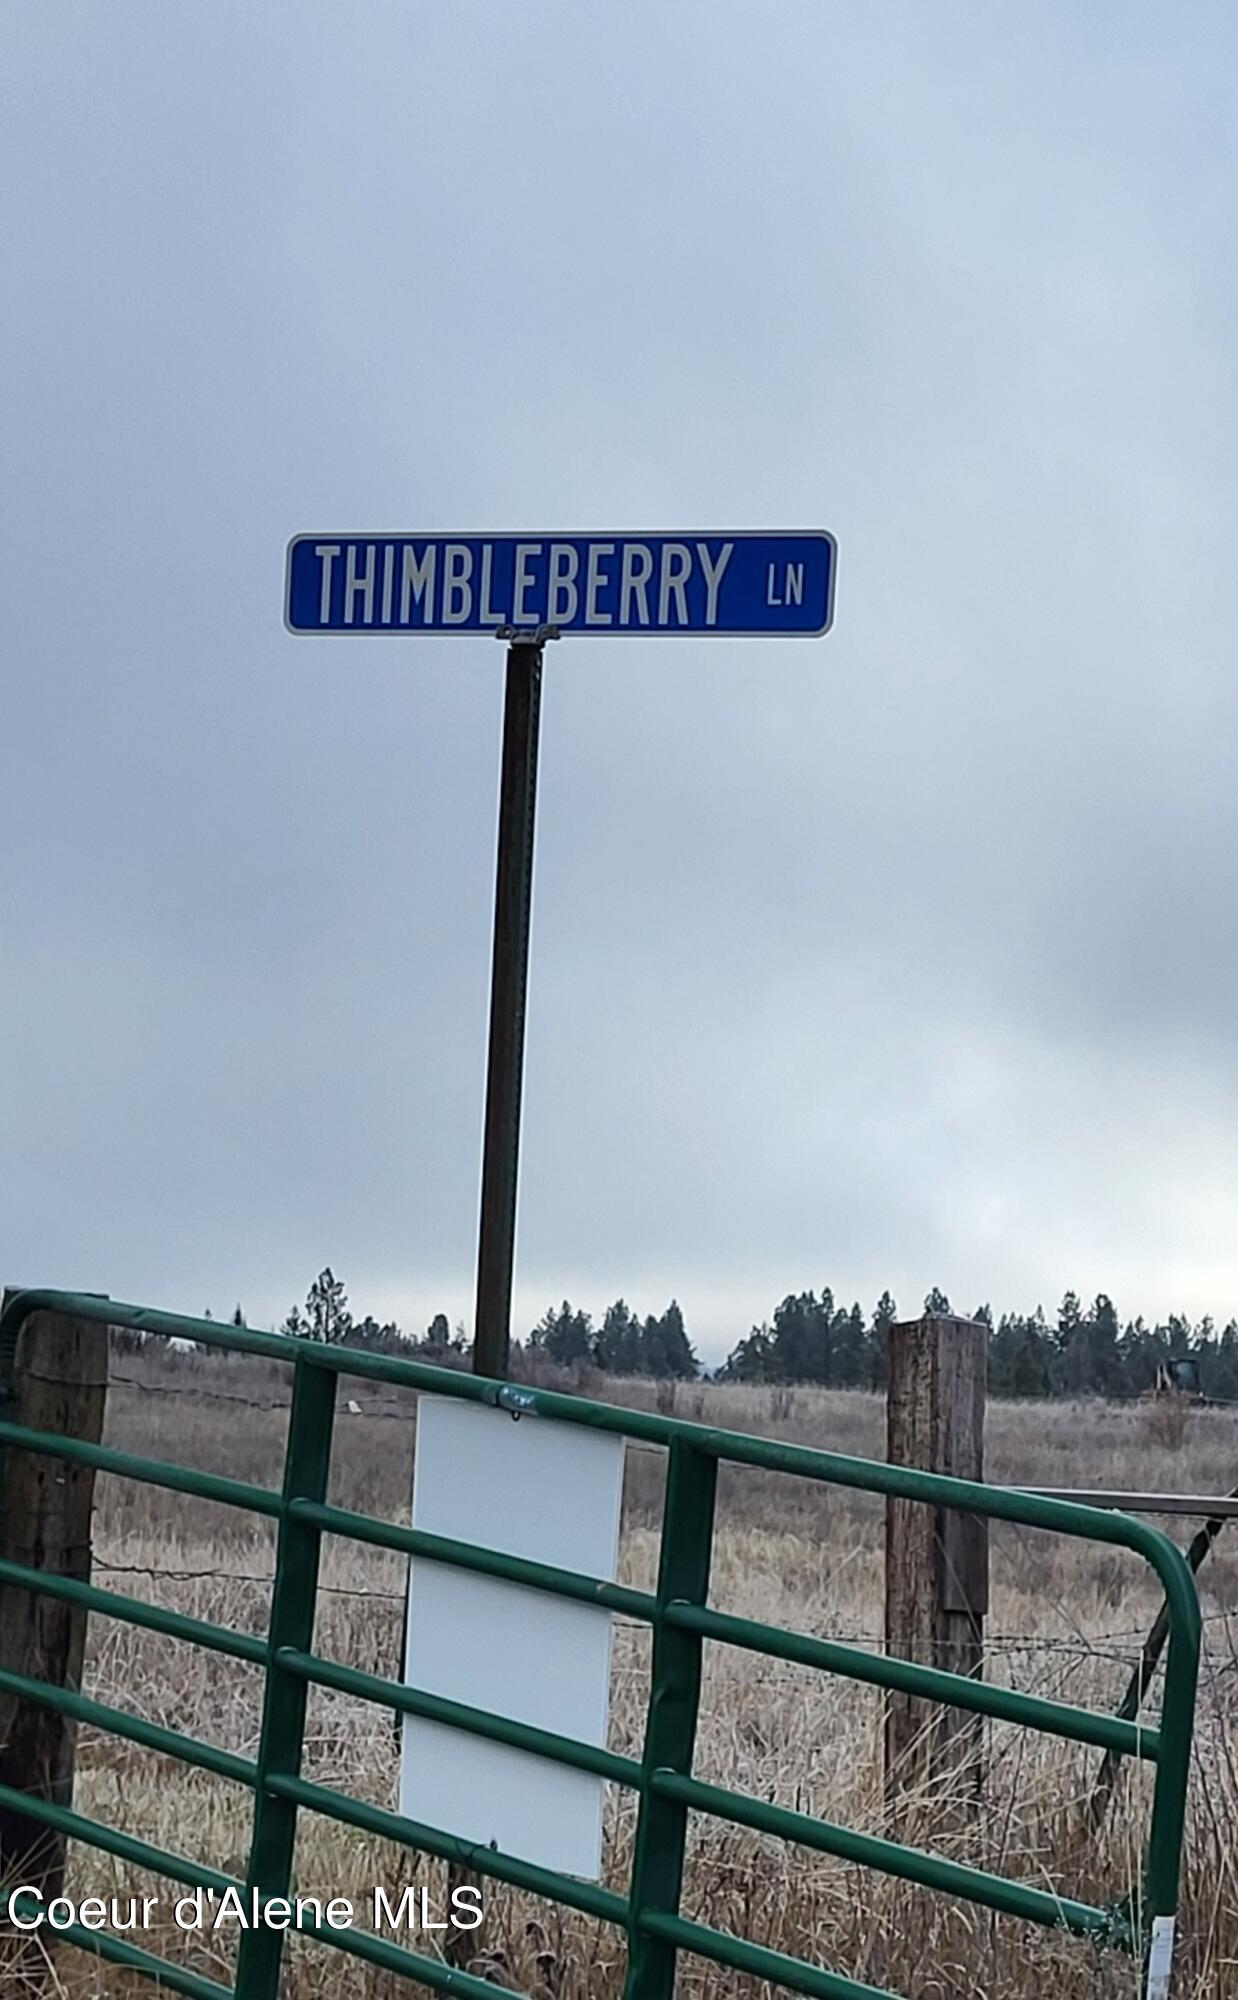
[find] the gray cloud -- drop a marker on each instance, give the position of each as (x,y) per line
(904,956)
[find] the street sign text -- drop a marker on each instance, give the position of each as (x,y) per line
(711,584)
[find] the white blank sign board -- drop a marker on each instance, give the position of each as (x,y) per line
(549,1492)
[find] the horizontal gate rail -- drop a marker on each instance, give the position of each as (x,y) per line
(109,1840)
(132,1611)
(431,1972)
(738,1955)
(132,1728)
(833,1656)
(868,1850)
(147,1471)
(486,1562)
(1197,1506)
(118,1951)
(682,1621)
(458,1715)
(584,1896)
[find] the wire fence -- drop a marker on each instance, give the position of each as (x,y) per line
(1060,1653)
(195,1387)
(1118,1645)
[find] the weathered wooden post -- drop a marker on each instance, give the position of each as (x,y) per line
(57,1382)
(937,1560)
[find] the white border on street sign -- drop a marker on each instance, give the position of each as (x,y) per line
(566,535)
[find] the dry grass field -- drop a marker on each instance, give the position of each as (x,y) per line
(1066,1620)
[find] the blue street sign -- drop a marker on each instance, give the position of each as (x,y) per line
(701,585)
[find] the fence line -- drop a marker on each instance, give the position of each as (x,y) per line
(1093,1646)
(678,1614)
(1221,1507)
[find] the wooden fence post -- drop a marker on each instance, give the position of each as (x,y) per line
(59,1384)
(937,1560)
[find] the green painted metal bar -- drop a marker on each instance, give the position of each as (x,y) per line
(738,1955)
(139,1319)
(737,1447)
(930,1871)
(670,1729)
(147,1471)
(132,1611)
(592,1590)
(132,1728)
(1164,1862)
(682,1623)
(1057,1718)
(307,1466)
(118,1951)
(432,1972)
(125,1846)
(869,1475)
(458,1715)
(587,1897)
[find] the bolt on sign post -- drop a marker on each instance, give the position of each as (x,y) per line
(526,590)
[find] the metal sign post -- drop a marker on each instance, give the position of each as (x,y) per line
(527,589)
(509,980)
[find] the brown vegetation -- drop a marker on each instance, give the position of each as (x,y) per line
(1066,1620)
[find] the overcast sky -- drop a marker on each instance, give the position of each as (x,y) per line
(904,956)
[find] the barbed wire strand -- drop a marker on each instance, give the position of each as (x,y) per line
(1101,1645)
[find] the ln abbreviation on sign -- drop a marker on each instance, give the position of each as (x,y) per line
(703,584)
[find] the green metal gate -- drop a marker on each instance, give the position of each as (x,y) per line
(681,1620)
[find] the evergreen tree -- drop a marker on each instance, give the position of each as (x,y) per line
(1207,1346)
(327,1318)
(936,1301)
(1179,1331)
(885,1313)
(384,1339)
(849,1342)
(619,1343)
(1003,1346)
(1020,1353)
(752,1359)
(1072,1365)
(1029,1373)
(438,1335)
(1226,1376)
(668,1350)
(1104,1361)
(1069,1318)
(801,1338)
(1136,1358)
(565,1336)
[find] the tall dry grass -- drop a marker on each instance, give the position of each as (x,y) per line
(1067,1619)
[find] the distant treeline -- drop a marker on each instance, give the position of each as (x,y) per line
(1085,1351)
(624,1343)
(812,1337)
